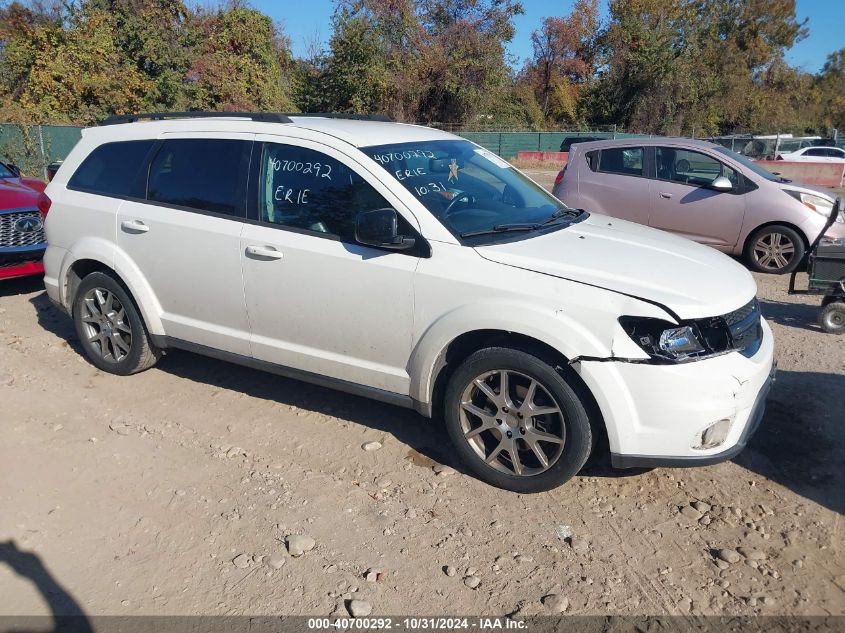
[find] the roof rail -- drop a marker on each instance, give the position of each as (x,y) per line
(341,115)
(265,117)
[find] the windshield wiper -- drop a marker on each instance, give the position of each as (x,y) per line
(557,215)
(501,228)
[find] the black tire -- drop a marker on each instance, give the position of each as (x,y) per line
(139,352)
(554,389)
(832,317)
(756,252)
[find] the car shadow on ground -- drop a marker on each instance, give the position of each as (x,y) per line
(67,615)
(800,443)
(803,316)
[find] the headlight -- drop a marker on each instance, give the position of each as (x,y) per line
(663,340)
(819,204)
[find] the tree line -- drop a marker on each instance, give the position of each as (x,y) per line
(699,67)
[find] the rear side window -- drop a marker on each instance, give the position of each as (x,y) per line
(202,174)
(113,169)
(622,160)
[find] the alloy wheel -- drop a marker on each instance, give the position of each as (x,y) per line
(106,327)
(512,422)
(773,251)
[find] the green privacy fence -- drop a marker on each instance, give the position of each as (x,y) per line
(33,147)
(508,144)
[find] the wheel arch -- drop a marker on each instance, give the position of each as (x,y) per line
(84,263)
(465,344)
(764,225)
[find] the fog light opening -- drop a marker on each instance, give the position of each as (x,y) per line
(714,435)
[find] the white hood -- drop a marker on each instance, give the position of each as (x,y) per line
(690,279)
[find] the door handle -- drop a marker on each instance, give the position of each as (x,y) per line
(263,252)
(664,194)
(134,226)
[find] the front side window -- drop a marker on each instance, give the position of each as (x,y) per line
(305,189)
(691,168)
(621,160)
(748,164)
(473,192)
(112,169)
(201,174)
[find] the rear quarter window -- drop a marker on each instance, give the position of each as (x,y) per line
(113,169)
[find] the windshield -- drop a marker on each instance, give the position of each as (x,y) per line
(470,190)
(750,164)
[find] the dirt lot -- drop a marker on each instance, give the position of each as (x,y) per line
(140,495)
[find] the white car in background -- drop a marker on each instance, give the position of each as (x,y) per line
(816,154)
(408,265)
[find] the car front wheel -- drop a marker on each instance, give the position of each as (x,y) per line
(774,249)
(516,422)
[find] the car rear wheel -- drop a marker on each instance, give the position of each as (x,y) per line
(774,249)
(832,318)
(515,421)
(110,328)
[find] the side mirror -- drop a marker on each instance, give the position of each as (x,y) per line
(14,169)
(380,228)
(52,169)
(721,184)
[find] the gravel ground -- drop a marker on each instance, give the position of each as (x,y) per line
(185,489)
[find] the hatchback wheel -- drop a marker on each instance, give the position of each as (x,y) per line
(774,249)
(110,327)
(516,421)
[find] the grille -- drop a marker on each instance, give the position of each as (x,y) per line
(12,237)
(745,329)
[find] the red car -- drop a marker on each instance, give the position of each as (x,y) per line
(22,209)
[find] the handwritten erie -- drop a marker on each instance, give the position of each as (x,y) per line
(317,170)
(402,174)
(286,195)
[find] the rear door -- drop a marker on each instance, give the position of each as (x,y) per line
(682,203)
(185,237)
(613,182)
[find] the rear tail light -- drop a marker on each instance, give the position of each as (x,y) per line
(559,177)
(43,205)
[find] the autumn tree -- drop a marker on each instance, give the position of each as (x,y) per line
(563,60)
(71,69)
(239,63)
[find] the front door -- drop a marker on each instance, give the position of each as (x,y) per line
(185,238)
(682,203)
(317,300)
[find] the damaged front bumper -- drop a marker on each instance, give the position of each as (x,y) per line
(656,415)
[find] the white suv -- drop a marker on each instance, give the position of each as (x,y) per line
(411,266)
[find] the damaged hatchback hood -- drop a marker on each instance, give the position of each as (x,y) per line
(691,280)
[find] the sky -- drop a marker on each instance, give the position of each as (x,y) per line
(305,21)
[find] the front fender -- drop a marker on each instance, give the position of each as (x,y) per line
(565,329)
